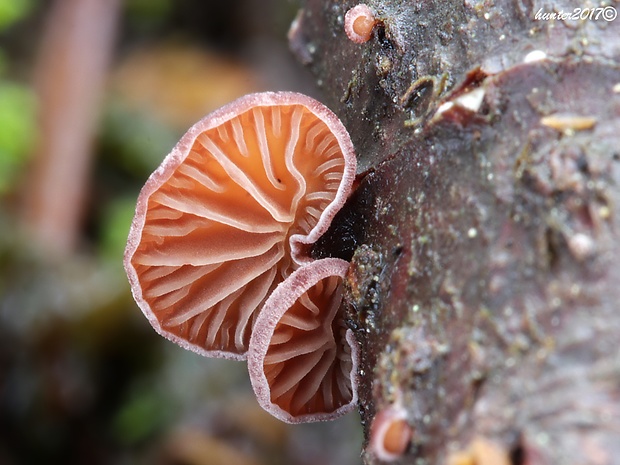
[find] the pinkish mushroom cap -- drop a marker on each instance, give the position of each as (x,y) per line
(303,359)
(229,215)
(390,434)
(359,22)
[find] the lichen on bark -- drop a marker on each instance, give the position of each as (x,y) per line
(483,234)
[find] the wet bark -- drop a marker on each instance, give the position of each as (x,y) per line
(484,285)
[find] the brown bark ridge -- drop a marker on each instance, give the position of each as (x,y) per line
(485,284)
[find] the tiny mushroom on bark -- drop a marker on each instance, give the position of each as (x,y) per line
(303,359)
(230,214)
(359,22)
(390,433)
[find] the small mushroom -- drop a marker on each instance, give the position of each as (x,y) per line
(390,433)
(359,22)
(230,213)
(303,359)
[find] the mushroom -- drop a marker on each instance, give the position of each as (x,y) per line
(390,434)
(230,214)
(303,359)
(359,22)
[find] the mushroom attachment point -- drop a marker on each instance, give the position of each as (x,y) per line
(359,22)
(230,214)
(303,359)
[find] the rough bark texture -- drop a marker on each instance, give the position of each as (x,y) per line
(485,281)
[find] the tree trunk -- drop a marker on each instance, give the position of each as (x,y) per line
(485,283)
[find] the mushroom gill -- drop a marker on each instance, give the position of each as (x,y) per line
(303,359)
(226,216)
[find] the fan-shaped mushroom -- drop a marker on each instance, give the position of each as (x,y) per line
(227,215)
(303,359)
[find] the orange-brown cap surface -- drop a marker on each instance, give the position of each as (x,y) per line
(390,433)
(228,214)
(359,22)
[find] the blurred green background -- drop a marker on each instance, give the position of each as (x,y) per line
(93,95)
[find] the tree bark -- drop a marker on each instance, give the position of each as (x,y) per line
(483,236)
(76,48)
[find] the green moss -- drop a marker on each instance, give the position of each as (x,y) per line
(144,413)
(17,127)
(12,11)
(115,226)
